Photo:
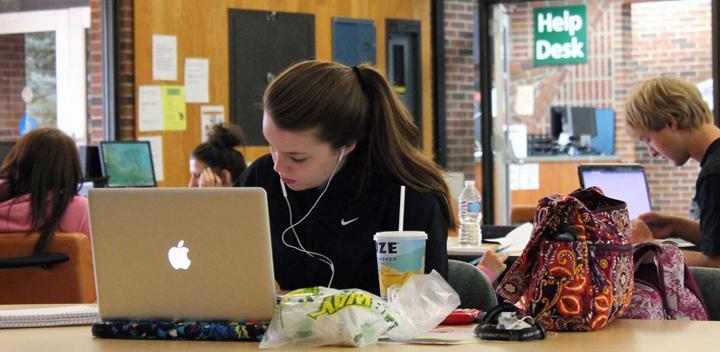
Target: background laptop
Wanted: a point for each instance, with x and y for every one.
(230, 274)
(625, 182)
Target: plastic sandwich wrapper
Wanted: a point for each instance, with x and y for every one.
(319, 316)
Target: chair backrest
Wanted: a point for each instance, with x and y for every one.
(708, 280)
(71, 281)
(522, 213)
(474, 289)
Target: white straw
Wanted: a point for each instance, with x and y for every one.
(402, 208)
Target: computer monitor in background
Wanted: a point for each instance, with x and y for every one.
(574, 121)
(127, 164)
(90, 162)
(556, 120)
(604, 142)
(4, 150)
(583, 121)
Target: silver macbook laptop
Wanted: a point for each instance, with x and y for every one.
(182, 254)
(625, 182)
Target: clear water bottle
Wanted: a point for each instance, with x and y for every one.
(470, 214)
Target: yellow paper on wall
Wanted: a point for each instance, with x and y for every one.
(174, 114)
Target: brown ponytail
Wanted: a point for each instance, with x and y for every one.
(220, 153)
(357, 104)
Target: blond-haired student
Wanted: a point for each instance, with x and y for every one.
(669, 115)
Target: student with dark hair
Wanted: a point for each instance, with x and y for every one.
(342, 144)
(39, 183)
(217, 162)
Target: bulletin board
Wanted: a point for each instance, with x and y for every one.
(202, 31)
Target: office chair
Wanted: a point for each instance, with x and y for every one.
(65, 275)
(708, 280)
(471, 285)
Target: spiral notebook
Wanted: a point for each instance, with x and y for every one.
(53, 316)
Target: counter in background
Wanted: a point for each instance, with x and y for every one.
(556, 174)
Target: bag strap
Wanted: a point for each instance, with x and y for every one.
(674, 278)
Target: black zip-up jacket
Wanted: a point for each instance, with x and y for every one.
(342, 226)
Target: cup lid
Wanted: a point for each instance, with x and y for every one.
(401, 235)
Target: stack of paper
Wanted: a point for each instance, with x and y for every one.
(55, 316)
(516, 240)
(677, 240)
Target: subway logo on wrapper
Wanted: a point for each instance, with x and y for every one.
(334, 303)
(560, 35)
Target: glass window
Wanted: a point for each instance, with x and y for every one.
(43, 78)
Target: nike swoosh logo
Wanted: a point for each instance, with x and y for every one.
(343, 222)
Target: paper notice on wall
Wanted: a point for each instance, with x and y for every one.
(164, 58)
(530, 176)
(196, 80)
(524, 177)
(525, 100)
(517, 134)
(150, 109)
(210, 115)
(157, 155)
(174, 114)
(514, 177)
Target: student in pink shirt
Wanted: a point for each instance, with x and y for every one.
(492, 265)
(39, 183)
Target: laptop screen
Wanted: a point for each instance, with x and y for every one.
(623, 182)
(127, 164)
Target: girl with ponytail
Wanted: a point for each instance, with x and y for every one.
(342, 143)
(218, 162)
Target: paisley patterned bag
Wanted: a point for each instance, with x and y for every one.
(665, 289)
(576, 272)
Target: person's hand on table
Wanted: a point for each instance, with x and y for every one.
(659, 225)
(493, 261)
(641, 232)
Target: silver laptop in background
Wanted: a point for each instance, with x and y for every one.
(182, 254)
(626, 182)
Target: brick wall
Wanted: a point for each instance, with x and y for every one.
(12, 81)
(460, 80)
(628, 41)
(588, 84)
(125, 73)
(94, 73)
(671, 38)
(126, 70)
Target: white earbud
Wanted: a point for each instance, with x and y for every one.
(300, 247)
(282, 185)
(342, 154)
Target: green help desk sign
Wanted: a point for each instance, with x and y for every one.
(560, 35)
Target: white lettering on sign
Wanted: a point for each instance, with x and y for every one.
(565, 23)
(545, 50)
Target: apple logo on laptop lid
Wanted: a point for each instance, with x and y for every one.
(178, 256)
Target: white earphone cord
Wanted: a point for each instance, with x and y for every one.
(292, 226)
